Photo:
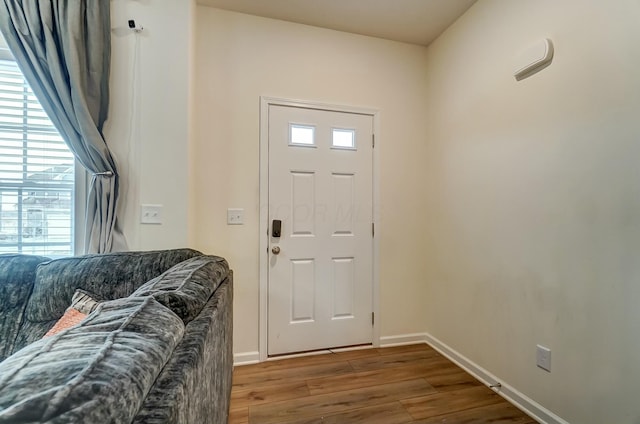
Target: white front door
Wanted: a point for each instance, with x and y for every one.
(320, 279)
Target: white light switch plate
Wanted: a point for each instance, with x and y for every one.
(235, 216)
(151, 214)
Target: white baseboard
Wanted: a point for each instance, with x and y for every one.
(246, 358)
(404, 339)
(526, 404)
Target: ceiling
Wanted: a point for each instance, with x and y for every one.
(409, 21)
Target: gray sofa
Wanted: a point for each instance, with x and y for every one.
(156, 349)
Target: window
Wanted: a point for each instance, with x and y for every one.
(37, 173)
(302, 135)
(344, 139)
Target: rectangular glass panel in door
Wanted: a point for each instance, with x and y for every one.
(345, 139)
(301, 135)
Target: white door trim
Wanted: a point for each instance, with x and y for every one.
(265, 102)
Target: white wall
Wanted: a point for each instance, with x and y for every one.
(534, 202)
(149, 116)
(240, 58)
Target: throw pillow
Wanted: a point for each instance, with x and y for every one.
(82, 304)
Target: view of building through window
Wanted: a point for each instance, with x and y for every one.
(36, 173)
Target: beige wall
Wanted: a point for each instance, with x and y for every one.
(148, 127)
(534, 202)
(509, 210)
(240, 58)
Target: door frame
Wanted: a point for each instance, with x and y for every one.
(265, 102)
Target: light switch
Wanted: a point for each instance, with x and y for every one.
(235, 216)
(151, 214)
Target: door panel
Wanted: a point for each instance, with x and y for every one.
(320, 281)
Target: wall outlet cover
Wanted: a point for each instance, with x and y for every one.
(543, 357)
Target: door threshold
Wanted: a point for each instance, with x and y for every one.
(292, 355)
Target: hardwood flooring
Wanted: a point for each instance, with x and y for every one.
(397, 385)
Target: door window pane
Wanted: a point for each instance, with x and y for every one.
(344, 139)
(302, 135)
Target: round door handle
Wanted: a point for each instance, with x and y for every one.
(275, 250)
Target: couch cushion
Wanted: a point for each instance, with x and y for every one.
(108, 276)
(17, 273)
(99, 371)
(186, 287)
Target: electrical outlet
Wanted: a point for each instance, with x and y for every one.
(543, 357)
(151, 214)
(235, 216)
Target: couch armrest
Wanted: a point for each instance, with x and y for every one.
(17, 274)
(195, 385)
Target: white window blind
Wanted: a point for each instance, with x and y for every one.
(36, 173)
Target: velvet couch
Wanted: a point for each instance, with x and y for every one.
(157, 347)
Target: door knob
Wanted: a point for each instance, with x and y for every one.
(275, 250)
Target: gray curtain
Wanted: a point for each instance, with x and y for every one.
(64, 50)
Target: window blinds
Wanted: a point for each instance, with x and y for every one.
(36, 173)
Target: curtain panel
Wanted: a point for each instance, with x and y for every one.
(63, 47)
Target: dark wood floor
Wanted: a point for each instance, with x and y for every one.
(405, 384)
